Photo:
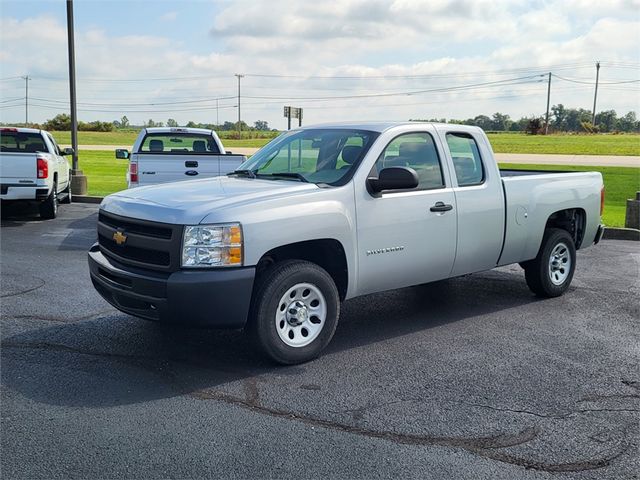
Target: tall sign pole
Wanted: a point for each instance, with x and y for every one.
(546, 122)
(239, 124)
(595, 95)
(78, 180)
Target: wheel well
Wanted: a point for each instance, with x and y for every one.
(573, 220)
(326, 253)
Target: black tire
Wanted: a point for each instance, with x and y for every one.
(270, 289)
(547, 276)
(68, 198)
(49, 208)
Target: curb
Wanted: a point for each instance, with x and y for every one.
(86, 199)
(621, 234)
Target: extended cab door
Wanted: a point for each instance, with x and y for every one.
(401, 241)
(479, 198)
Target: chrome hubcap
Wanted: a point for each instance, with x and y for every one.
(300, 315)
(559, 264)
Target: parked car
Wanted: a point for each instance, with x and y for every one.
(33, 168)
(164, 154)
(324, 214)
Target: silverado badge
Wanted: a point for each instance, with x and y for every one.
(119, 237)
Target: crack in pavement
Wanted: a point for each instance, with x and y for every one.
(487, 447)
(26, 290)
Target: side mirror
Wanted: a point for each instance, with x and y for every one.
(122, 153)
(394, 178)
(67, 151)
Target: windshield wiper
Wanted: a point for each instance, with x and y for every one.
(287, 175)
(247, 173)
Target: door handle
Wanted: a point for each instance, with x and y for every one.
(441, 207)
(191, 173)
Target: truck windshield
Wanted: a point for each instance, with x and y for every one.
(21, 142)
(327, 156)
(179, 143)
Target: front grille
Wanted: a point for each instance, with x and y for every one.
(149, 245)
(133, 227)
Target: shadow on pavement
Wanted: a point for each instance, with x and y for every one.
(114, 359)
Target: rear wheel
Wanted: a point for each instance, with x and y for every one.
(551, 272)
(49, 208)
(294, 311)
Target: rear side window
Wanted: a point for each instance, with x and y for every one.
(179, 143)
(417, 151)
(466, 159)
(21, 142)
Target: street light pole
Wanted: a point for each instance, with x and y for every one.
(78, 180)
(595, 95)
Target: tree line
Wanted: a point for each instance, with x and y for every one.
(561, 119)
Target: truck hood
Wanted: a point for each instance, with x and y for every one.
(189, 202)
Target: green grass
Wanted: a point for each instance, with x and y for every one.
(605, 144)
(125, 138)
(627, 144)
(106, 175)
(620, 184)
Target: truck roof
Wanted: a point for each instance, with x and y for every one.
(383, 126)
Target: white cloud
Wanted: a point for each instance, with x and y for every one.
(169, 16)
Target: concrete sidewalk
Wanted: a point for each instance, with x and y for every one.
(530, 158)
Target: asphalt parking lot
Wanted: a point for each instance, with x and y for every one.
(471, 378)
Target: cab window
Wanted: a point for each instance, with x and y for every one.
(466, 159)
(417, 151)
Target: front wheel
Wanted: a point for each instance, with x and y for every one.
(551, 272)
(68, 198)
(294, 311)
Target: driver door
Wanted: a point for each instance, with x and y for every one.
(401, 240)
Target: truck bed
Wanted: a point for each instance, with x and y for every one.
(523, 173)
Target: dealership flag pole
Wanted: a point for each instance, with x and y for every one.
(78, 180)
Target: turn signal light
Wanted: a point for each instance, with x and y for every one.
(601, 200)
(43, 167)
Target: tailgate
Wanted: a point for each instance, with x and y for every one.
(168, 168)
(18, 167)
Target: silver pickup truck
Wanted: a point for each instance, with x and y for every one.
(326, 213)
(172, 154)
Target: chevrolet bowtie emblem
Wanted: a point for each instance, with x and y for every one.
(119, 237)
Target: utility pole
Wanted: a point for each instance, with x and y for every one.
(217, 115)
(26, 79)
(239, 124)
(546, 122)
(595, 95)
(78, 180)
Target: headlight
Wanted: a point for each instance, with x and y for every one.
(212, 246)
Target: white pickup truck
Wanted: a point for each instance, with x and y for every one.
(33, 168)
(166, 154)
(323, 214)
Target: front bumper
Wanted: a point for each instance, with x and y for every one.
(202, 298)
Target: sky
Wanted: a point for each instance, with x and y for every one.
(339, 60)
